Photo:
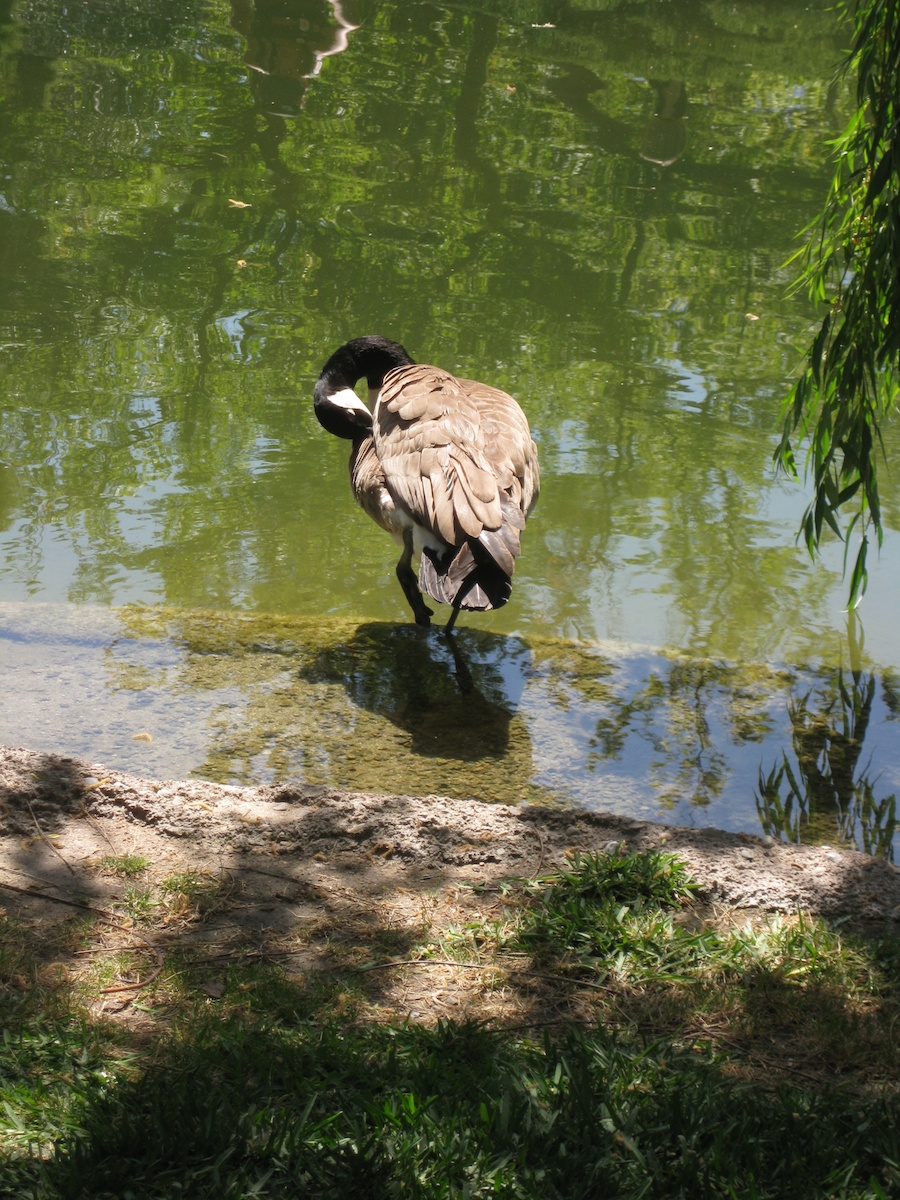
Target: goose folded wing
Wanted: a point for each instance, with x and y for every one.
(508, 445)
(437, 465)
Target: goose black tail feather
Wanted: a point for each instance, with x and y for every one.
(503, 544)
(470, 578)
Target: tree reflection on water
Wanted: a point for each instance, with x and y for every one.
(824, 788)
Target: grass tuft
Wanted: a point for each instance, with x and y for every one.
(613, 915)
(126, 866)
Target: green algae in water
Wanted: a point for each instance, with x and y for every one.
(373, 707)
(392, 708)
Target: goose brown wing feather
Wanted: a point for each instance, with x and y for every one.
(456, 454)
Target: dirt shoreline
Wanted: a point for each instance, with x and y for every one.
(61, 814)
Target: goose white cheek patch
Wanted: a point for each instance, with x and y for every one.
(347, 398)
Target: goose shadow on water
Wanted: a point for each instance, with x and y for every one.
(455, 696)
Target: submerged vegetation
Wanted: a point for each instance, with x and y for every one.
(703, 1058)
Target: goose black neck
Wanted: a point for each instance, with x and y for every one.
(371, 357)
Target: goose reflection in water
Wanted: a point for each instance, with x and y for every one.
(455, 702)
(665, 134)
(287, 43)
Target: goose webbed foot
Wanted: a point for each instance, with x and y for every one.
(421, 611)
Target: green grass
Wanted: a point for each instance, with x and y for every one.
(787, 988)
(51, 1066)
(711, 1067)
(612, 916)
(237, 1110)
(623, 920)
(124, 865)
(182, 894)
(139, 904)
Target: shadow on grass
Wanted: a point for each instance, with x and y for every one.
(234, 1109)
(685, 1076)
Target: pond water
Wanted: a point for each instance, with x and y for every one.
(589, 204)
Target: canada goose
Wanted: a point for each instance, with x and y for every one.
(446, 465)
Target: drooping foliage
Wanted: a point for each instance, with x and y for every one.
(852, 262)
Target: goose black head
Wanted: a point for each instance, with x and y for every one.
(338, 408)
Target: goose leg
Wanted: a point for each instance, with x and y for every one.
(407, 577)
(448, 628)
(463, 674)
